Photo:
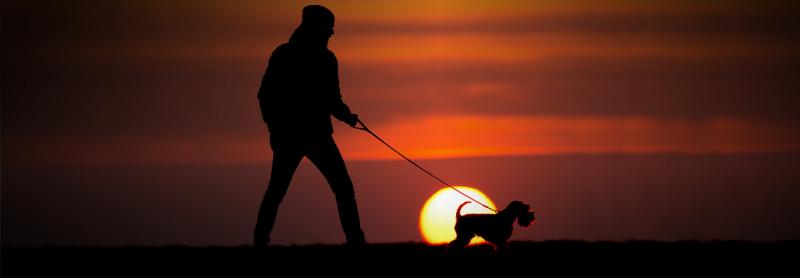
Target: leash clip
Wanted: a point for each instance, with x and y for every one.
(363, 126)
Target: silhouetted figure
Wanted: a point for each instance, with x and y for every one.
(299, 92)
(494, 228)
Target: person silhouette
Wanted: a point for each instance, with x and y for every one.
(298, 94)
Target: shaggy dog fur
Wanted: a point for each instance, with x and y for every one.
(494, 228)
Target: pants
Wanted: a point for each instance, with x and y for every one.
(325, 155)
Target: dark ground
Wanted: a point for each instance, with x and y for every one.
(390, 259)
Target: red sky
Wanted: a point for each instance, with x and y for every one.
(153, 82)
(165, 83)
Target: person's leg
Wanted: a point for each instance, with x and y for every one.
(329, 161)
(284, 164)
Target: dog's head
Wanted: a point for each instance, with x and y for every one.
(523, 213)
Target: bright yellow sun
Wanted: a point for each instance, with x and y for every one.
(438, 216)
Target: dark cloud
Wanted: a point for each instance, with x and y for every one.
(589, 197)
(189, 69)
(653, 87)
(773, 22)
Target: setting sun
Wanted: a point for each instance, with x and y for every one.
(438, 216)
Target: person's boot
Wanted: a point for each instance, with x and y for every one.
(260, 242)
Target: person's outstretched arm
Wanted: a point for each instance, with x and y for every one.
(338, 108)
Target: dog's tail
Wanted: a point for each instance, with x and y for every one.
(458, 212)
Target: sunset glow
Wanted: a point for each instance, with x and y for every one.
(437, 217)
(138, 122)
(466, 78)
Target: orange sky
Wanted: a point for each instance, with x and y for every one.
(153, 82)
(137, 123)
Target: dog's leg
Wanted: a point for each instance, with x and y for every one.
(457, 244)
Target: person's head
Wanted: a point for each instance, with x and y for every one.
(318, 22)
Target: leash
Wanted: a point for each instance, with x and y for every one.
(365, 128)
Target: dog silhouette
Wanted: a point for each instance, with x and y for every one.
(494, 228)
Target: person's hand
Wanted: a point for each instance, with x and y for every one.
(352, 120)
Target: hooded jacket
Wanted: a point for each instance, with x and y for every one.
(300, 89)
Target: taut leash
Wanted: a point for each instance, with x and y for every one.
(365, 128)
